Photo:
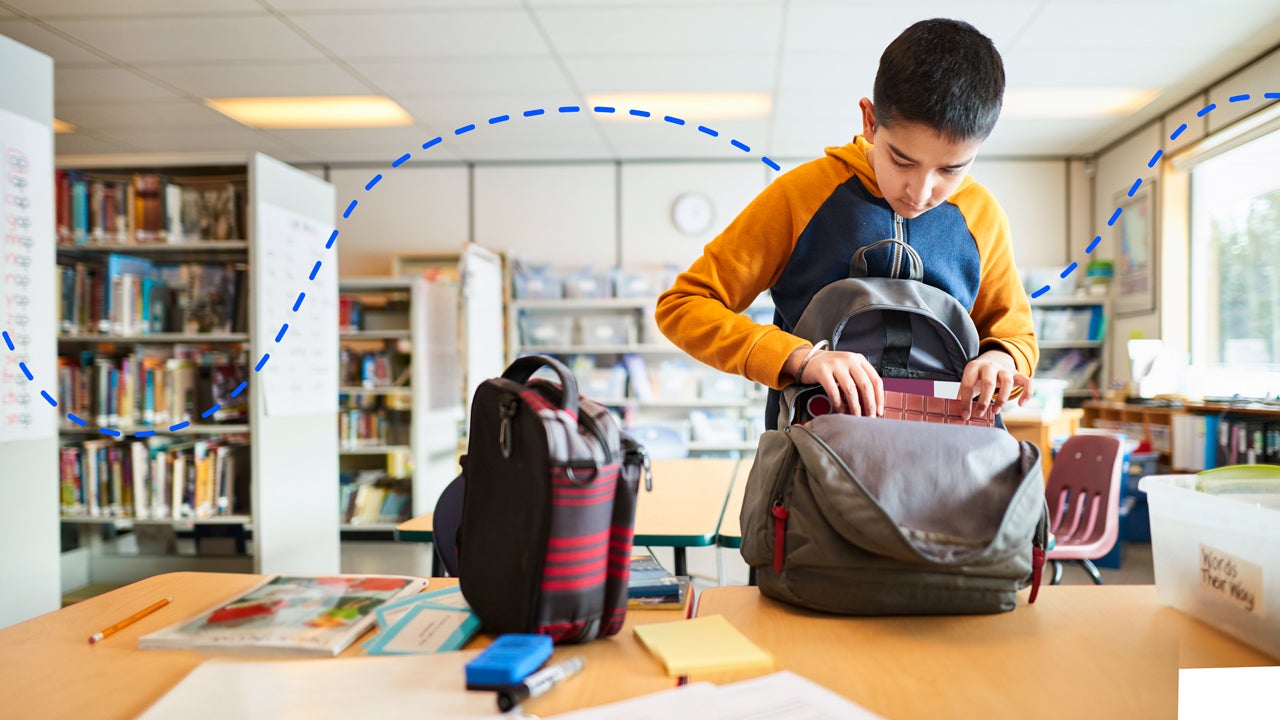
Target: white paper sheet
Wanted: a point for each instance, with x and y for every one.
(26, 273)
(300, 377)
(327, 689)
(778, 695)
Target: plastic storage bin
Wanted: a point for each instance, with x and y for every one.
(607, 329)
(1215, 557)
(544, 330)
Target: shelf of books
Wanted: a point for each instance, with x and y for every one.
(1072, 331)
(600, 322)
(399, 398)
(157, 345)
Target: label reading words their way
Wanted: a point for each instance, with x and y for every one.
(1231, 578)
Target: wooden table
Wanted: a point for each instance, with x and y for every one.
(1079, 652)
(683, 511)
(1042, 431)
(730, 535)
(49, 670)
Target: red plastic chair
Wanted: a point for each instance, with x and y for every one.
(1083, 492)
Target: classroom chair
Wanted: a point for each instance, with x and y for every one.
(445, 522)
(1083, 492)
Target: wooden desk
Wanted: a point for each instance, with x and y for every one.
(683, 510)
(1079, 652)
(730, 535)
(1042, 431)
(49, 670)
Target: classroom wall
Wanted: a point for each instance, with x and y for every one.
(603, 213)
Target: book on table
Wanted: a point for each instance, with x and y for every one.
(649, 579)
(289, 615)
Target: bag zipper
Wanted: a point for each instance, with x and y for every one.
(507, 411)
(778, 510)
(636, 454)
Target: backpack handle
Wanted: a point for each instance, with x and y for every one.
(915, 266)
(524, 367)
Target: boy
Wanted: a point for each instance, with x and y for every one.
(937, 95)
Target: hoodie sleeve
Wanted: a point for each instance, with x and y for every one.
(701, 311)
(1001, 311)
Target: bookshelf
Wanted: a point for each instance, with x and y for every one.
(400, 398)
(674, 404)
(1195, 436)
(181, 448)
(1072, 334)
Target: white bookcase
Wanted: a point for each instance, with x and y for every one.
(1072, 334)
(622, 361)
(290, 524)
(29, 570)
(411, 323)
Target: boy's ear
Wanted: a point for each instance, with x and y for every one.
(868, 119)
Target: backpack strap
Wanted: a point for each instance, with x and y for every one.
(915, 266)
(895, 357)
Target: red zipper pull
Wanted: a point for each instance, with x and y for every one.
(1037, 568)
(780, 515)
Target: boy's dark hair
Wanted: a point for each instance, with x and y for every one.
(944, 74)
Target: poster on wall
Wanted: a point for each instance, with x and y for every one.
(302, 373)
(27, 295)
(1136, 253)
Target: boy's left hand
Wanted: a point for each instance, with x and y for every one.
(989, 380)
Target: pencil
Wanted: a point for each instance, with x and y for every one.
(129, 620)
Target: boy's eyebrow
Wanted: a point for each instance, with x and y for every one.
(910, 159)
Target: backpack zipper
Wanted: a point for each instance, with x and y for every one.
(778, 510)
(507, 411)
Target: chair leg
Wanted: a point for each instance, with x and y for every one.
(1057, 572)
(1092, 569)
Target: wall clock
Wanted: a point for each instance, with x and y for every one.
(692, 213)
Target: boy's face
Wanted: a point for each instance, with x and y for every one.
(916, 167)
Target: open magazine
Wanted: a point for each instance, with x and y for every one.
(289, 615)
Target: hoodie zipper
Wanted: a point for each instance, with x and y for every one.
(899, 234)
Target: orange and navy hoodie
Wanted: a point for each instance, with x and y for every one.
(800, 234)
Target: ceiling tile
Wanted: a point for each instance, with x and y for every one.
(467, 33)
(467, 76)
(662, 29)
(1186, 26)
(236, 139)
(98, 8)
(447, 113)
(847, 74)
(532, 137)
(104, 84)
(188, 39)
(377, 145)
(259, 79)
(142, 114)
(830, 26)
(63, 51)
(655, 138)
(726, 72)
(1044, 137)
(1117, 67)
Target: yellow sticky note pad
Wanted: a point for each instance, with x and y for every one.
(705, 644)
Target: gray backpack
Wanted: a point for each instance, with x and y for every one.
(878, 516)
(873, 516)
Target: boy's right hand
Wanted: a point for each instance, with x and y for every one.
(850, 381)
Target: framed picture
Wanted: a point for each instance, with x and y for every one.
(1136, 261)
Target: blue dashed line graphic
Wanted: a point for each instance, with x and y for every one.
(564, 109)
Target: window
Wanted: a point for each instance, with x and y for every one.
(1235, 265)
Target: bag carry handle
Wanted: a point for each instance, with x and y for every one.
(915, 266)
(524, 367)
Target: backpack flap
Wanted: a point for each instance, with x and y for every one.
(929, 493)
